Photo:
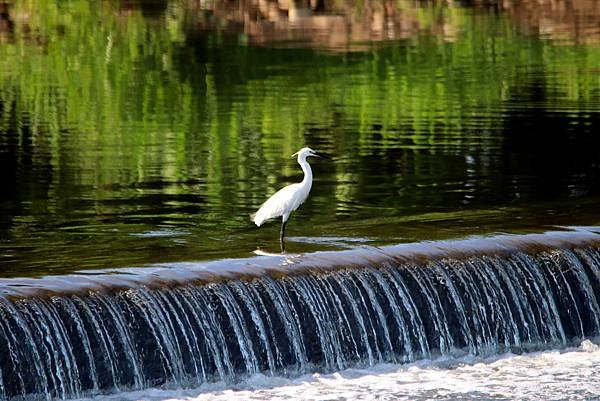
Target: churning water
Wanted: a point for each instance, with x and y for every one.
(184, 325)
(571, 374)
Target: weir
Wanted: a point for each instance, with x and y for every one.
(188, 323)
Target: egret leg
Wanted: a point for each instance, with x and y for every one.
(282, 235)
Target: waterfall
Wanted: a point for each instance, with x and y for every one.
(182, 325)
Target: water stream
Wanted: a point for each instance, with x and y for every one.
(73, 336)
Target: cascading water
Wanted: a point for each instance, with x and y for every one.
(65, 337)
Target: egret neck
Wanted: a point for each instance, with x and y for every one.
(308, 177)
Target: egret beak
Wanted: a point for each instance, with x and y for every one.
(321, 156)
(295, 154)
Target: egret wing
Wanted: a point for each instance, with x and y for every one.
(278, 204)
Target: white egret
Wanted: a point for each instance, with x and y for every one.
(289, 198)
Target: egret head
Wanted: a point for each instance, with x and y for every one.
(304, 153)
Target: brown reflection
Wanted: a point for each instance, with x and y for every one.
(575, 21)
(349, 24)
(318, 23)
(149, 8)
(7, 25)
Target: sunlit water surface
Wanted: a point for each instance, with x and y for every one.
(571, 374)
(148, 131)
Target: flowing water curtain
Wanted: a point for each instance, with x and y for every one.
(63, 346)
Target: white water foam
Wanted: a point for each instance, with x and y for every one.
(571, 374)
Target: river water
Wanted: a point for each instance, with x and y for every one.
(153, 137)
(142, 134)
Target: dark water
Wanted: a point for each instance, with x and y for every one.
(147, 131)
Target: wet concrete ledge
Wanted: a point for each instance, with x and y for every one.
(278, 266)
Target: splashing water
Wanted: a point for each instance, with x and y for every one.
(570, 374)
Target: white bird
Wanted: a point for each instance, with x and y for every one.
(289, 198)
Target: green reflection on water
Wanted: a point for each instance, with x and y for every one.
(131, 138)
